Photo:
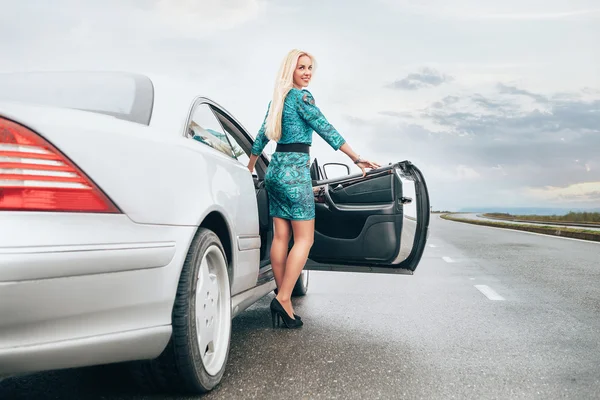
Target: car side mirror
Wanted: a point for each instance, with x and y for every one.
(335, 170)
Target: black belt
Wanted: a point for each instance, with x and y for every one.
(293, 148)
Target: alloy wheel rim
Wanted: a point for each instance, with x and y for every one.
(213, 312)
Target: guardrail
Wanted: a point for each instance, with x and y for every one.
(582, 234)
(531, 221)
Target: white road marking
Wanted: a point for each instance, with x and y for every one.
(448, 259)
(489, 292)
(432, 245)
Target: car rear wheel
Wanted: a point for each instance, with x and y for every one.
(195, 357)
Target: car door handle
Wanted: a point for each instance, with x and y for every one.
(405, 200)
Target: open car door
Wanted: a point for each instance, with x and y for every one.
(377, 223)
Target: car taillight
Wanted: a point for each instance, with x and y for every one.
(35, 176)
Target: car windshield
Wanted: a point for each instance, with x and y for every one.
(121, 95)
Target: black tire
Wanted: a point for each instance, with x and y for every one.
(180, 368)
(301, 286)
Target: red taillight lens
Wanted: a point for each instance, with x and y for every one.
(35, 176)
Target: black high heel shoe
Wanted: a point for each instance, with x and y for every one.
(295, 316)
(278, 312)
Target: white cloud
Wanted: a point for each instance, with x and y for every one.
(230, 50)
(538, 16)
(466, 173)
(201, 18)
(456, 173)
(587, 192)
(511, 10)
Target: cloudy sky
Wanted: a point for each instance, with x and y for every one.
(498, 102)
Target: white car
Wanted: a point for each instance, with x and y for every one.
(131, 229)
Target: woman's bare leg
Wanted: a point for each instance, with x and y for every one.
(279, 248)
(304, 234)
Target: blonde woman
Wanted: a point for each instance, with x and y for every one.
(291, 118)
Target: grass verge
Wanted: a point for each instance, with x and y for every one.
(584, 218)
(584, 234)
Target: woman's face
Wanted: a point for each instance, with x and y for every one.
(303, 72)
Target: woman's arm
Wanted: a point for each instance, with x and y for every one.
(315, 118)
(252, 162)
(259, 143)
(311, 114)
(361, 163)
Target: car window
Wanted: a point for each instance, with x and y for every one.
(206, 129)
(238, 152)
(241, 147)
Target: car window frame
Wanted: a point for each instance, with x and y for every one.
(230, 129)
(238, 129)
(199, 103)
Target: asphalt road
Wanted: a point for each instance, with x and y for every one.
(482, 218)
(530, 332)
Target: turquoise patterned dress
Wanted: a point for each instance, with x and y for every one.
(288, 180)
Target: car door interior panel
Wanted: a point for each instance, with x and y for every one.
(264, 219)
(358, 220)
(376, 190)
(362, 221)
(374, 238)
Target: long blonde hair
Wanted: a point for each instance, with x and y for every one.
(283, 84)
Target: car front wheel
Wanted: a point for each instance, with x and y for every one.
(195, 357)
